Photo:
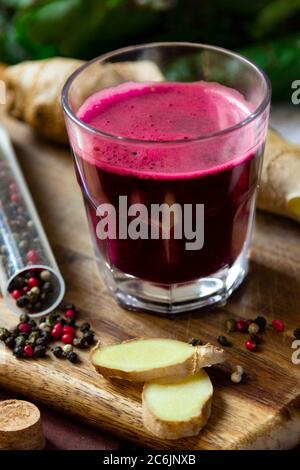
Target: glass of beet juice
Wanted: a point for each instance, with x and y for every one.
(168, 142)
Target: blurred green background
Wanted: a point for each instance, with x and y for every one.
(267, 31)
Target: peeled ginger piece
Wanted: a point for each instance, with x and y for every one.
(178, 409)
(143, 360)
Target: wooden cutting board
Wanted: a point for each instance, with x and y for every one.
(262, 413)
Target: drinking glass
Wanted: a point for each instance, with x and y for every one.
(168, 273)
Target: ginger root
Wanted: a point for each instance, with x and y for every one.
(142, 360)
(178, 409)
(34, 89)
(279, 190)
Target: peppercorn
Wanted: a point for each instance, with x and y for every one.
(39, 351)
(67, 348)
(19, 341)
(45, 334)
(88, 337)
(69, 307)
(253, 328)
(45, 275)
(4, 333)
(32, 324)
(18, 351)
(278, 325)
(72, 357)
(49, 320)
(24, 318)
(261, 322)
(236, 377)
(78, 343)
(250, 345)
(47, 287)
(57, 351)
(194, 341)
(22, 301)
(297, 333)
(24, 328)
(28, 350)
(223, 341)
(67, 338)
(230, 325)
(10, 342)
(41, 341)
(85, 327)
(241, 326)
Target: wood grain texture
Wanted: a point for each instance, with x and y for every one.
(263, 412)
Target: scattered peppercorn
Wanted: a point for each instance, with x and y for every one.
(67, 338)
(88, 337)
(24, 318)
(67, 348)
(57, 351)
(253, 328)
(85, 327)
(18, 351)
(19, 341)
(241, 326)
(4, 333)
(39, 351)
(196, 341)
(28, 350)
(223, 341)
(230, 325)
(278, 325)
(261, 322)
(10, 342)
(72, 357)
(250, 345)
(297, 333)
(236, 377)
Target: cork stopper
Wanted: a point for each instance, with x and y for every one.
(20, 426)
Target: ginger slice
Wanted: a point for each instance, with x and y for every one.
(142, 360)
(178, 409)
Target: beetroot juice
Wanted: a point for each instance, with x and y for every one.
(165, 143)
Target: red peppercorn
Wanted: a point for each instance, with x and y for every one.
(241, 326)
(250, 345)
(56, 333)
(33, 282)
(25, 290)
(28, 350)
(16, 294)
(278, 325)
(70, 313)
(24, 328)
(67, 338)
(69, 330)
(32, 256)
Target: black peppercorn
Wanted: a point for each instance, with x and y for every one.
(57, 351)
(10, 342)
(19, 341)
(41, 341)
(195, 341)
(46, 335)
(39, 351)
(19, 282)
(18, 351)
(297, 333)
(47, 287)
(85, 327)
(261, 322)
(223, 341)
(4, 333)
(72, 357)
(24, 318)
(22, 301)
(88, 337)
(32, 324)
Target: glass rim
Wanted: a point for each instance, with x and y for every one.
(252, 116)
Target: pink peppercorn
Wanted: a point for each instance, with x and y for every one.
(56, 332)
(28, 350)
(250, 345)
(278, 325)
(25, 290)
(70, 313)
(241, 326)
(24, 328)
(67, 338)
(33, 282)
(68, 330)
(16, 294)
(15, 197)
